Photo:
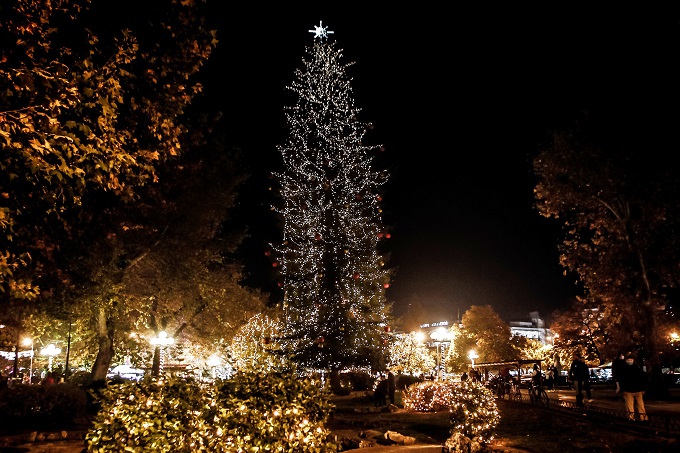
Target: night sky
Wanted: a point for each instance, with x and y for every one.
(462, 98)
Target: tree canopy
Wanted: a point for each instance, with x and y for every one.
(613, 188)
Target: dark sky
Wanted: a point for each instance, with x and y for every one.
(461, 98)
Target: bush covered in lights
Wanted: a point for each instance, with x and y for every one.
(276, 412)
(250, 412)
(474, 414)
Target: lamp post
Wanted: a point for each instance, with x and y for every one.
(213, 362)
(439, 337)
(472, 355)
(50, 351)
(29, 342)
(160, 342)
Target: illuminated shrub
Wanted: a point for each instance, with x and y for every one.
(276, 412)
(250, 412)
(474, 414)
(429, 396)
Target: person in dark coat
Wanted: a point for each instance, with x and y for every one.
(391, 386)
(580, 375)
(633, 383)
(380, 393)
(617, 365)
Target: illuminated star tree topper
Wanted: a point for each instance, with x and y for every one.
(320, 31)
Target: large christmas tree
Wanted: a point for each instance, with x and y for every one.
(333, 271)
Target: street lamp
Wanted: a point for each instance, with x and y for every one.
(213, 362)
(161, 341)
(50, 351)
(29, 342)
(472, 355)
(439, 337)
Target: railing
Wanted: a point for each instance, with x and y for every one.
(662, 424)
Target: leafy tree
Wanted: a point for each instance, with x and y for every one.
(611, 185)
(172, 266)
(255, 348)
(88, 120)
(190, 276)
(597, 331)
(409, 355)
(333, 270)
(531, 349)
(484, 331)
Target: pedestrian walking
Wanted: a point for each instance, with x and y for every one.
(580, 376)
(633, 383)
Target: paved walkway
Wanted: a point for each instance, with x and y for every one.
(607, 398)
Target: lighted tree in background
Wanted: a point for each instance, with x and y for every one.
(409, 355)
(335, 311)
(484, 332)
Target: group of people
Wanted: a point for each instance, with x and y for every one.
(474, 375)
(630, 379)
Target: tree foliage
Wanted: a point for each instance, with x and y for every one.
(612, 187)
(484, 331)
(409, 355)
(83, 121)
(92, 116)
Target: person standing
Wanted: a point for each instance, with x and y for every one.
(550, 378)
(633, 383)
(391, 386)
(536, 375)
(617, 365)
(580, 375)
(380, 393)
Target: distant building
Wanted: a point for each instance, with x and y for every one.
(534, 329)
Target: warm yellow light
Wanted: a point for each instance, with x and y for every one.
(50, 351)
(214, 360)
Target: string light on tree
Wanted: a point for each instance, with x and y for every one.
(329, 258)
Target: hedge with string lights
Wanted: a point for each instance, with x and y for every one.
(250, 412)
